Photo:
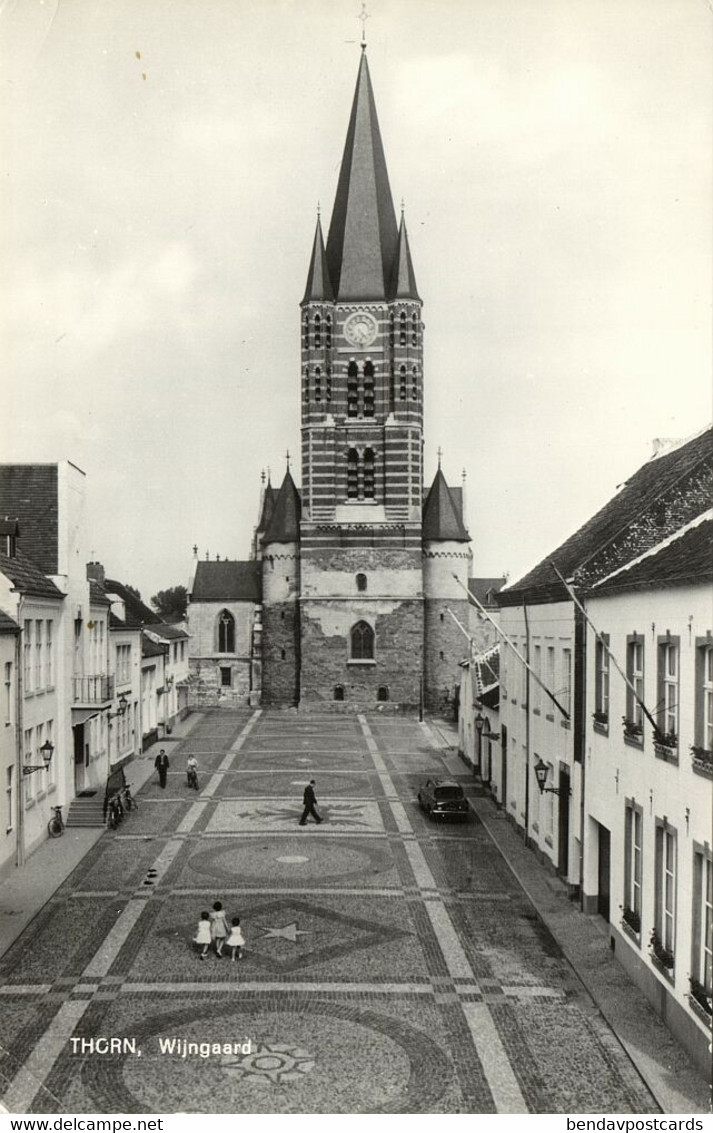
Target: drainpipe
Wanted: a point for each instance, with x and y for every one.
(527, 729)
(20, 787)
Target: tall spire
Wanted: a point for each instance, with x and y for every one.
(363, 236)
(318, 286)
(404, 281)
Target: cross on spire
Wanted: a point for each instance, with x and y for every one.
(440, 454)
(364, 16)
(287, 458)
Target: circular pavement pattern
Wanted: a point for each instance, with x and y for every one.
(319, 1057)
(258, 863)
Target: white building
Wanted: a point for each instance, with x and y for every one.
(648, 868)
(10, 753)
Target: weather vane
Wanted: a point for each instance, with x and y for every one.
(363, 17)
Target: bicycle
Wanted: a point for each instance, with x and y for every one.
(114, 812)
(128, 799)
(192, 777)
(56, 825)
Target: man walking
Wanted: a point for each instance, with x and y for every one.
(162, 765)
(310, 802)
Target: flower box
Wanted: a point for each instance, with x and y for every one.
(662, 957)
(702, 760)
(633, 731)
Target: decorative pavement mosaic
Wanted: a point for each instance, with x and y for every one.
(390, 965)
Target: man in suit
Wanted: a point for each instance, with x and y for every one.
(161, 764)
(310, 802)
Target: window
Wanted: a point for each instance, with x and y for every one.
(668, 689)
(391, 329)
(318, 384)
(328, 332)
(402, 329)
(548, 806)
(226, 677)
(601, 679)
(362, 642)
(306, 384)
(123, 664)
(361, 582)
(567, 680)
(704, 696)
(369, 474)
(39, 673)
(414, 384)
(27, 656)
(49, 658)
(339, 692)
(536, 687)
(702, 965)
(353, 474)
(328, 386)
(8, 692)
(305, 333)
(382, 692)
(352, 390)
(402, 383)
(369, 389)
(632, 865)
(283, 654)
(9, 808)
(183, 650)
(226, 633)
(28, 779)
(635, 673)
(665, 897)
(550, 669)
(414, 330)
(317, 332)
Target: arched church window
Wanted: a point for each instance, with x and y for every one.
(318, 384)
(361, 581)
(402, 383)
(414, 384)
(352, 390)
(353, 475)
(328, 332)
(402, 329)
(362, 642)
(226, 632)
(329, 384)
(369, 474)
(414, 330)
(369, 389)
(317, 332)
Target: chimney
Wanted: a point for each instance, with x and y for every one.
(9, 534)
(95, 573)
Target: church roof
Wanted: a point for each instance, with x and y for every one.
(318, 282)
(404, 282)
(441, 515)
(226, 581)
(363, 236)
(284, 525)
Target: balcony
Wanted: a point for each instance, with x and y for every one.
(92, 692)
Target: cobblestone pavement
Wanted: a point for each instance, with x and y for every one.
(392, 965)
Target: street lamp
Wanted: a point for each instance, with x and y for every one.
(121, 708)
(46, 752)
(542, 770)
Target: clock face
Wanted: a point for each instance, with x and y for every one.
(360, 329)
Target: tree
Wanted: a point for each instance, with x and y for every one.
(134, 591)
(171, 604)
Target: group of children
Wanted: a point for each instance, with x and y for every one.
(213, 929)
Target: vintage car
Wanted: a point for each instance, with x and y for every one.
(443, 798)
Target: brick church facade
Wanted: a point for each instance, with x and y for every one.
(345, 600)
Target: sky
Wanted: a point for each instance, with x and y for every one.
(162, 162)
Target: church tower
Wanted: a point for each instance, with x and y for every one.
(361, 579)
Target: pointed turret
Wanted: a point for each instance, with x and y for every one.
(319, 286)
(442, 520)
(284, 524)
(404, 281)
(363, 236)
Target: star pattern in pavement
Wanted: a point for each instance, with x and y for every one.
(289, 932)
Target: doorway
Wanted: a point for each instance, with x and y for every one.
(604, 873)
(563, 823)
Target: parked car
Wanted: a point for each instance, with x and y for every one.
(443, 798)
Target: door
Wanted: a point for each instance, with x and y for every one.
(78, 738)
(604, 870)
(504, 766)
(563, 824)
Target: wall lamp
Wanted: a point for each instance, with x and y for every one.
(480, 724)
(46, 753)
(121, 708)
(541, 772)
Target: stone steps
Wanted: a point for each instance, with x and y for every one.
(86, 812)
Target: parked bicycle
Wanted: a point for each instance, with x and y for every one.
(127, 799)
(56, 825)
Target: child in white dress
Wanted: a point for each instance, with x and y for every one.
(236, 940)
(203, 937)
(218, 928)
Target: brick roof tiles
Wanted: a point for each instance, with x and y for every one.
(28, 492)
(8, 624)
(684, 561)
(27, 577)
